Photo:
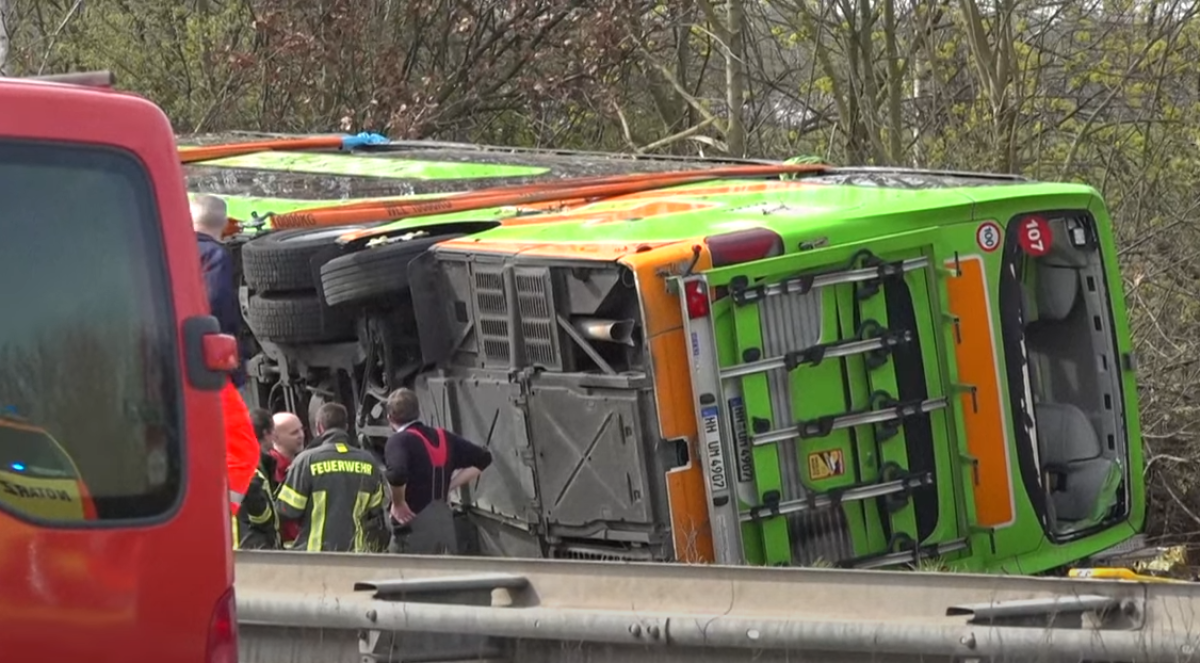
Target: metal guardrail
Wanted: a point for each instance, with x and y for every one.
(330, 608)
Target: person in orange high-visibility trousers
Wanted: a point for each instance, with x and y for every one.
(241, 445)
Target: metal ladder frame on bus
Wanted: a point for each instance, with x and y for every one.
(725, 514)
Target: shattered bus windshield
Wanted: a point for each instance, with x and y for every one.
(1063, 375)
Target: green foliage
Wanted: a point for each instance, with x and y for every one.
(1106, 93)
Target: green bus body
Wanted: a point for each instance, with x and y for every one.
(885, 366)
(1093, 375)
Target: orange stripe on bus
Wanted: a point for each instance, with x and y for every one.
(752, 186)
(647, 203)
(631, 209)
(983, 415)
(606, 251)
(589, 250)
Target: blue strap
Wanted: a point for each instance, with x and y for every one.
(364, 138)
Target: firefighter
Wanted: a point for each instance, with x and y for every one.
(256, 525)
(336, 490)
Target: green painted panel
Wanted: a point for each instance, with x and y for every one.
(868, 536)
(757, 397)
(384, 167)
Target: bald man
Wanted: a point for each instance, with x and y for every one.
(288, 434)
(287, 440)
(209, 216)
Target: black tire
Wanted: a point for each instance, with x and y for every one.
(282, 261)
(373, 274)
(297, 319)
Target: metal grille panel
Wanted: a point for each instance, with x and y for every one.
(491, 305)
(535, 302)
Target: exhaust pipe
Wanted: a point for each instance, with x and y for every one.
(599, 329)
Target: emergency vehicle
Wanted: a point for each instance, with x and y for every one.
(115, 461)
(36, 476)
(743, 363)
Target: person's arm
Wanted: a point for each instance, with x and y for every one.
(379, 506)
(293, 493)
(214, 269)
(470, 460)
(225, 299)
(216, 263)
(463, 477)
(257, 503)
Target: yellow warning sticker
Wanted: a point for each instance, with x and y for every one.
(826, 464)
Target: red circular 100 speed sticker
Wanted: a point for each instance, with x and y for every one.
(988, 236)
(1035, 236)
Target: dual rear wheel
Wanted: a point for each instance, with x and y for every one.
(305, 287)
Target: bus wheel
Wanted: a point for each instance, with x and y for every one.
(374, 274)
(282, 261)
(296, 319)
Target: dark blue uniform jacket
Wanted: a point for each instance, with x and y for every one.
(217, 265)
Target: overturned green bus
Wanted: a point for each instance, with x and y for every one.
(854, 366)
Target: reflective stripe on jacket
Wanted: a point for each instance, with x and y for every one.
(256, 525)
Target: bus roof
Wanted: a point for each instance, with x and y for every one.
(798, 210)
(850, 202)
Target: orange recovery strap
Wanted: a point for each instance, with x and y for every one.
(568, 189)
(241, 445)
(194, 153)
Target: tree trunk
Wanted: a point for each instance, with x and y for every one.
(4, 40)
(735, 77)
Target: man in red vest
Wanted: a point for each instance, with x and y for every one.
(424, 465)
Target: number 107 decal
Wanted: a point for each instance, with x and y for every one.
(1035, 236)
